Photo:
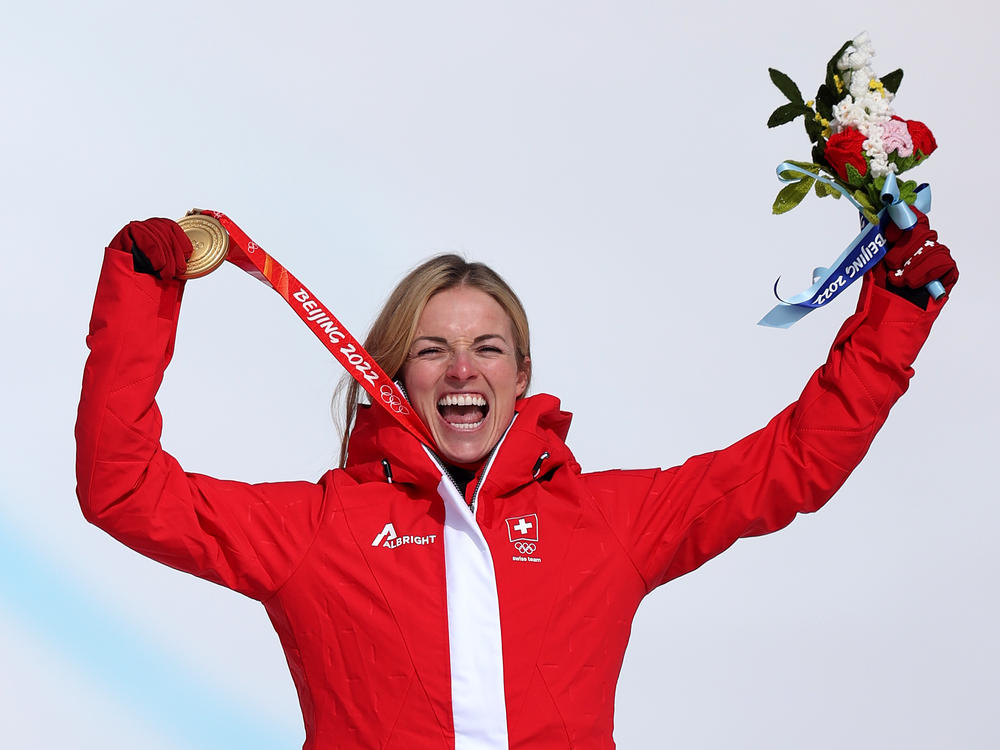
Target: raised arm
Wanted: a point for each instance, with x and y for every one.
(673, 521)
(246, 537)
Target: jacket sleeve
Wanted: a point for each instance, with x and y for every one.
(673, 521)
(246, 537)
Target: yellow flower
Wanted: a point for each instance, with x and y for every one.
(876, 85)
(810, 102)
(821, 120)
(838, 83)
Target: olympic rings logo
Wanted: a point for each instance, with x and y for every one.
(393, 401)
(525, 548)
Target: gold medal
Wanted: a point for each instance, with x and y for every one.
(210, 243)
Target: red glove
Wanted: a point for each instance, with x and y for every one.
(158, 247)
(915, 257)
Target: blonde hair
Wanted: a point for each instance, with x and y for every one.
(391, 335)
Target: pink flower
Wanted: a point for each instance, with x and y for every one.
(895, 137)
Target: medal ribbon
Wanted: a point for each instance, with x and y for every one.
(251, 257)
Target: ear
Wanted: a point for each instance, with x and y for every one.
(523, 376)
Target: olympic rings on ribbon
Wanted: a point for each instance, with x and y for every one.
(392, 400)
(525, 548)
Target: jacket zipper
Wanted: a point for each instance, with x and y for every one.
(474, 503)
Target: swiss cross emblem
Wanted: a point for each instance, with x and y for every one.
(523, 528)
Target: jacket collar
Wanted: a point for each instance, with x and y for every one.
(533, 447)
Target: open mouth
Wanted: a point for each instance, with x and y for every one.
(463, 411)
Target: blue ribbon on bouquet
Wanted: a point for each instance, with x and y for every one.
(861, 254)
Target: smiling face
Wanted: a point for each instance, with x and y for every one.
(462, 373)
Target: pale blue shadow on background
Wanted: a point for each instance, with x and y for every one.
(130, 667)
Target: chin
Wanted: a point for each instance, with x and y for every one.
(462, 456)
(465, 450)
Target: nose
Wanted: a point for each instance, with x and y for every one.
(460, 366)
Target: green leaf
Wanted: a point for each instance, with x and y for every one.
(786, 86)
(826, 98)
(875, 196)
(791, 195)
(866, 205)
(905, 162)
(861, 197)
(818, 154)
(823, 190)
(787, 113)
(908, 191)
(854, 177)
(814, 129)
(790, 174)
(892, 80)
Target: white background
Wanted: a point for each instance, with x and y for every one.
(611, 160)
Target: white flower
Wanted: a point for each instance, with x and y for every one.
(880, 166)
(848, 113)
(858, 54)
(857, 84)
(867, 103)
(860, 113)
(858, 78)
(874, 146)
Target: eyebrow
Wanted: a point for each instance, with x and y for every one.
(477, 340)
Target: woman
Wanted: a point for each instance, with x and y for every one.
(479, 595)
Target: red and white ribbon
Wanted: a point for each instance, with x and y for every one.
(251, 257)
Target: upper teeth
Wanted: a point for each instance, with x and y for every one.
(462, 399)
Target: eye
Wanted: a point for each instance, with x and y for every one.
(490, 349)
(429, 351)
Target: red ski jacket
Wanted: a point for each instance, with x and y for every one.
(410, 620)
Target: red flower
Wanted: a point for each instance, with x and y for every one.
(847, 147)
(923, 138)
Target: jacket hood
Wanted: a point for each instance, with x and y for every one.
(533, 446)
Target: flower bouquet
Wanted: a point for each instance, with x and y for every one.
(859, 145)
(857, 139)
